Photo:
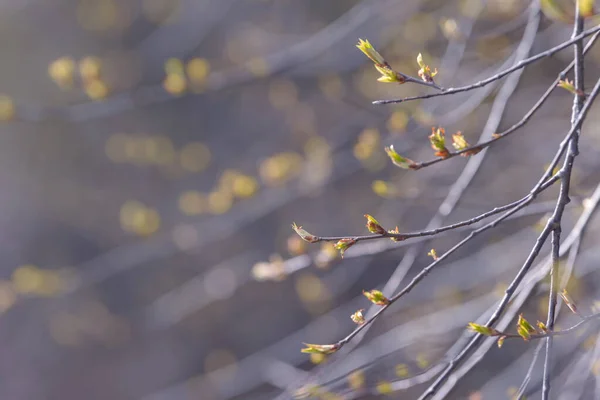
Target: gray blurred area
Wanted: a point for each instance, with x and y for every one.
(154, 154)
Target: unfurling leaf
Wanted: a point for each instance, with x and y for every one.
(522, 322)
(388, 75)
(398, 160)
(569, 301)
(369, 50)
(398, 237)
(557, 11)
(500, 341)
(484, 330)
(523, 332)
(438, 142)
(358, 317)
(344, 244)
(310, 238)
(568, 85)
(376, 297)
(433, 254)
(320, 348)
(586, 8)
(460, 143)
(425, 72)
(542, 327)
(373, 226)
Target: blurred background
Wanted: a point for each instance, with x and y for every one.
(154, 153)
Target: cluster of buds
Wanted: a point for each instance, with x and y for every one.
(425, 72)
(525, 329)
(438, 142)
(388, 75)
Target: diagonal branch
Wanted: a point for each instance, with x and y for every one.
(500, 75)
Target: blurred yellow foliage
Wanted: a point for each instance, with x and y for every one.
(283, 94)
(195, 157)
(331, 86)
(62, 72)
(135, 217)
(7, 108)
(368, 142)
(175, 84)
(280, 168)
(192, 203)
(356, 380)
(398, 121)
(89, 68)
(219, 202)
(7, 295)
(244, 186)
(310, 288)
(96, 89)
(197, 70)
(29, 279)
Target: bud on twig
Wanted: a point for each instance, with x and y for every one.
(398, 160)
(310, 238)
(369, 50)
(376, 297)
(320, 348)
(568, 85)
(358, 317)
(484, 330)
(460, 143)
(500, 341)
(438, 142)
(396, 238)
(373, 226)
(433, 254)
(425, 72)
(344, 244)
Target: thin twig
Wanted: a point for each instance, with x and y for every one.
(563, 199)
(433, 232)
(499, 75)
(519, 124)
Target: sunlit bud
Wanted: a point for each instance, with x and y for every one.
(373, 226)
(358, 317)
(398, 160)
(310, 238)
(369, 50)
(320, 348)
(376, 297)
(344, 244)
(484, 330)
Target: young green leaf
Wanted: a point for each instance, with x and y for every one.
(376, 297)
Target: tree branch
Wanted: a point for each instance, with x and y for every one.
(499, 75)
